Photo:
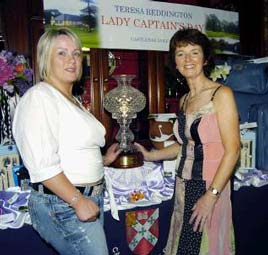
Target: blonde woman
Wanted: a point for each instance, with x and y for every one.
(59, 142)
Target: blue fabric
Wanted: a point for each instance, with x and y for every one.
(117, 235)
(249, 82)
(58, 224)
(245, 100)
(248, 78)
(259, 113)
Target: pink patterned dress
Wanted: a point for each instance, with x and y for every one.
(202, 151)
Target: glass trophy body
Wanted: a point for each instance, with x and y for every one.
(124, 102)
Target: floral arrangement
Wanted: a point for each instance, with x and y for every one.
(220, 72)
(135, 196)
(15, 74)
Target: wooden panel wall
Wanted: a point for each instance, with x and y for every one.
(22, 25)
(15, 25)
(156, 89)
(99, 87)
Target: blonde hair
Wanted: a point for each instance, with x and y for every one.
(45, 45)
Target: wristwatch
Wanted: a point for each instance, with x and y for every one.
(214, 191)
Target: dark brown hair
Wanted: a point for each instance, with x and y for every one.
(191, 36)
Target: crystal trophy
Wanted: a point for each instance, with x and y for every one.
(124, 102)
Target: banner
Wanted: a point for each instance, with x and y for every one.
(141, 24)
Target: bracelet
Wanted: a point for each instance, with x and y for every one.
(75, 197)
(214, 191)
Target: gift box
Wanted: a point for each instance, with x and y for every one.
(248, 134)
(9, 157)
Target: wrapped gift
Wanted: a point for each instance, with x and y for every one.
(9, 157)
(248, 135)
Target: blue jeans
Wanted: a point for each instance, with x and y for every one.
(57, 224)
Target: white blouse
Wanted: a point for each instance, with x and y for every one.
(53, 135)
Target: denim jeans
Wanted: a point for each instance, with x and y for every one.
(58, 225)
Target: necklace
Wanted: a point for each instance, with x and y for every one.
(73, 100)
(196, 102)
(70, 98)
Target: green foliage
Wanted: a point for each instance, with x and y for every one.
(214, 24)
(89, 39)
(221, 34)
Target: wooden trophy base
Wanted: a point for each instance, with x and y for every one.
(128, 160)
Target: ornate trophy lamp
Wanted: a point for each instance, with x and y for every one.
(124, 102)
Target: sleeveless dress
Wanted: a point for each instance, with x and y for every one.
(202, 151)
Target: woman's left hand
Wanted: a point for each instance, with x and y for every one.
(111, 154)
(202, 211)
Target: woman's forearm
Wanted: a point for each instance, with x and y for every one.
(225, 170)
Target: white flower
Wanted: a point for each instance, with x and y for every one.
(220, 72)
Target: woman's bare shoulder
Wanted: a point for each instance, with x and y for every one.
(222, 90)
(224, 97)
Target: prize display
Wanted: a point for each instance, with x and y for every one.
(124, 102)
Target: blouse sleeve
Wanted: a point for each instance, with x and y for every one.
(36, 134)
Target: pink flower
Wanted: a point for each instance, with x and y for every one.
(15, 73)
(6, 72)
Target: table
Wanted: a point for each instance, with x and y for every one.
(118, 244)
(23, 241)
(250, 215)
(154, 209)
(26, 241)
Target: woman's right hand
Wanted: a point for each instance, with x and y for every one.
(86, 209)
(147, 155)
(169, 152)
